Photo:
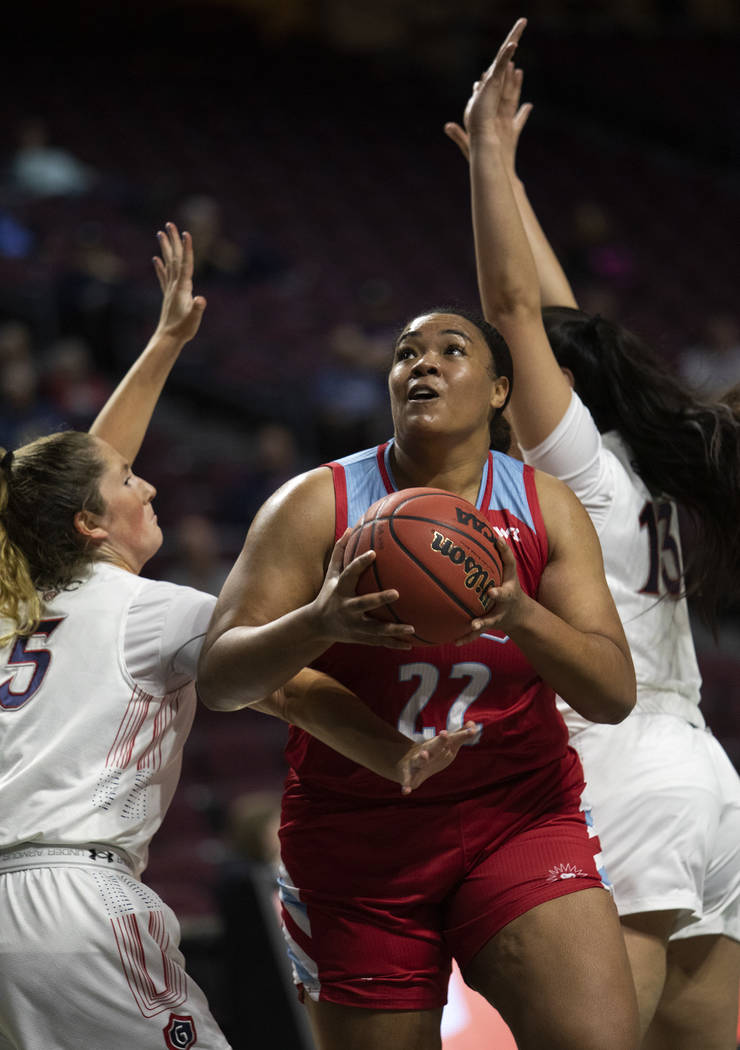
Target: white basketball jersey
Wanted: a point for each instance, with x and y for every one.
(95, 708)
(641, 545)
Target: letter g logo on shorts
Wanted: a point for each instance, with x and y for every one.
(179, 1032)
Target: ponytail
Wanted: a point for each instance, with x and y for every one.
(19, 599)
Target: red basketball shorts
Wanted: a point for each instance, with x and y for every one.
(377, 900)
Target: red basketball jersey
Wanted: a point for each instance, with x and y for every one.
(429, 688)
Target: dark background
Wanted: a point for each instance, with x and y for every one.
(307, 136)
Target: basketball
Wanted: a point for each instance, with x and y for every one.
(437, 550)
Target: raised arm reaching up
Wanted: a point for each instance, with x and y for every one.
(555, 289)
(507, 275)
(124, 419)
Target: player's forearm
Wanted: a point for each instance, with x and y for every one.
(336, 716)
(244, 664)
(507, 276)
(555, 289)
(125, 417)
(587, 669)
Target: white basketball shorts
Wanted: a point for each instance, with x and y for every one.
(665, 801)
(89, 958)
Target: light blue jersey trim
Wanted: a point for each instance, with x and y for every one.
(365, 484)
(387, 461)
(508, 492)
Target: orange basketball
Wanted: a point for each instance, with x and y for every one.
(437, 550)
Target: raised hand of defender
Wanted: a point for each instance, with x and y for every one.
(181, 312)
(510, 118)
(482, 109)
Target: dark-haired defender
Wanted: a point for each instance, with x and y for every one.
(492, 862)
(633, 443)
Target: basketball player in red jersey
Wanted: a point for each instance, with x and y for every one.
(492, 861)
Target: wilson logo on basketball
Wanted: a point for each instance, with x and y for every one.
(438, 552)
(476, 579)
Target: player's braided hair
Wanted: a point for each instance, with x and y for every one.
(683, 447)
(42, 486)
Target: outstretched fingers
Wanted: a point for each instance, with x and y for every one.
(518, 114)
(495, 94)
(165, 245)
(161, 273)
(484, 102)
(181, 311)
(510, 44)
(166, 268)
(175, 250)
(510, 91)
(426, 758)
(187, 263)
(493, 78)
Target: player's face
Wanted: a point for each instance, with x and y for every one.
(442, 378)
(133, 534)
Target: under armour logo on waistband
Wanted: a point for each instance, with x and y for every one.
(105, 853)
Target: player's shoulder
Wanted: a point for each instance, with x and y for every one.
(556, 497)
(366, 473)
(364, 456)
(296, 519)
(300, 491)
(551, 488)
(563, 514)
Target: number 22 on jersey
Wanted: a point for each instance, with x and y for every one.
(478, 676)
